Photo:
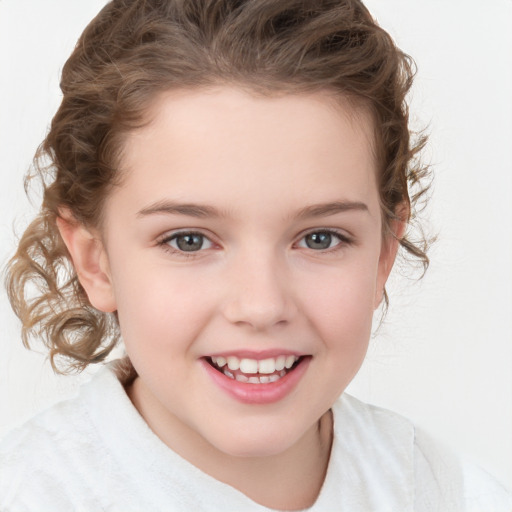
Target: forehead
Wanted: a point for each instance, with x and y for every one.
(227, 143)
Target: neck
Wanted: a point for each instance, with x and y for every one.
(290, 480)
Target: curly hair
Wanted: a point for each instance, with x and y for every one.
(135, 49)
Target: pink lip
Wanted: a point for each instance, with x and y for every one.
(258, 355)
(258, 393)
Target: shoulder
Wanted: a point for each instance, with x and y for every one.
(402, 456)
(439, 474)
(483, 491)
(449, 478)
(44, 461)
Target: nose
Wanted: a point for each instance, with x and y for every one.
(259, 293)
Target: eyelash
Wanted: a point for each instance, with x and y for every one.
(165, 243)
(344, 241)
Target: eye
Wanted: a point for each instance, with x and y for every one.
(188, 242)
(322, 240)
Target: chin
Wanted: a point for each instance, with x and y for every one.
(256, 442)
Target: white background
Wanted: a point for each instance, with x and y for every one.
(444, 355)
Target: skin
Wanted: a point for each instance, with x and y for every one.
(254, 285)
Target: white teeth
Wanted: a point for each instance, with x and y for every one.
(263, 379)
(290, 360)
(267, 366)
(249, 366)
(280, 362)
(233, 363)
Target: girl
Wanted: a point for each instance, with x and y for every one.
(226, 187)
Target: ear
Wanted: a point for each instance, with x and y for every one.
(90, 261)
(389, 249)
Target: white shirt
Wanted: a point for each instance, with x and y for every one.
(95, 453)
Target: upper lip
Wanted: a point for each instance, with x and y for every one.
(256, 354)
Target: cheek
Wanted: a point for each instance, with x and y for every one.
(344, 322)
(342, 301)
(163, 308)
(341, 316)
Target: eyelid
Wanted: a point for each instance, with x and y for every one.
(344, 238)
(163, 241)
(168, 235)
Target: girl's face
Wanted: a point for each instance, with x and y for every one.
(244, 239)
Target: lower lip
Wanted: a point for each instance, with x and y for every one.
(258, 393)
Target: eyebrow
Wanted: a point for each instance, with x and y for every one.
(326, 209)
(172, 208)
(203, 211)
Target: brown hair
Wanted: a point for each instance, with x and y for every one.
(135, 49)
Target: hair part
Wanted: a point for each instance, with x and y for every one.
(135, 49)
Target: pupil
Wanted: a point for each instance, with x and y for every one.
(318, 240)
(189, 242)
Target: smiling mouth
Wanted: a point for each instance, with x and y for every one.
(253, 371)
